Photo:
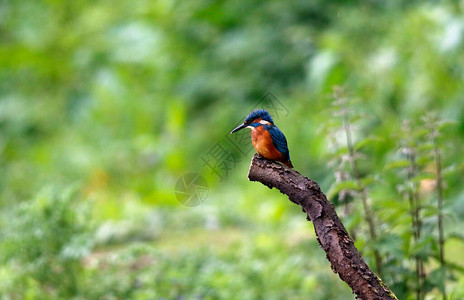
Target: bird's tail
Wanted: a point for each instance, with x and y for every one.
(288, 163)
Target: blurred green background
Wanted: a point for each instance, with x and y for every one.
(105, 105)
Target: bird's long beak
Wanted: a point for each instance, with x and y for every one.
(238, 128)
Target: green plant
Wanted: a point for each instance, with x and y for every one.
(44, 242)
(359, 182)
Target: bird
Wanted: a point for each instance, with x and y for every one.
(267, 139)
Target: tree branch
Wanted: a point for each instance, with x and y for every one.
(331, 234)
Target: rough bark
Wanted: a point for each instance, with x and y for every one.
(331, 234)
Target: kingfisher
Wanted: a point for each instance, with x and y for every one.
(267, 139)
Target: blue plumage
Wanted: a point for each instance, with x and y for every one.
(280, 142)
(259, 113)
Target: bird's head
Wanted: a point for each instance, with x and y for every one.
(255, 119)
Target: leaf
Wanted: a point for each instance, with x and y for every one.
(423, 247)
(437, 278)
(449, 170)
(424, 147)
(445, 124)
(390, 243)
(341, 151)
(368, 180)
(423, 176)
(454, 266)
(421, 133)
(366, 142)
(423, 160)
(340, 186)
(398, 164)
(457, 235)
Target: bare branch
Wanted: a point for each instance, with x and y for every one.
(331, 234)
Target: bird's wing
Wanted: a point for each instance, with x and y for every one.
(280, 142)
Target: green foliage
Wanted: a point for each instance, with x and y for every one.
(411, 175)
(120, 99)
(44, 241)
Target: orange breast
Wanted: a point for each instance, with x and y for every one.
(263, 144)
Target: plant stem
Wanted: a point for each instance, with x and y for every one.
(367, 211)
(441, 238)
(412, 209)
(415, 203)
